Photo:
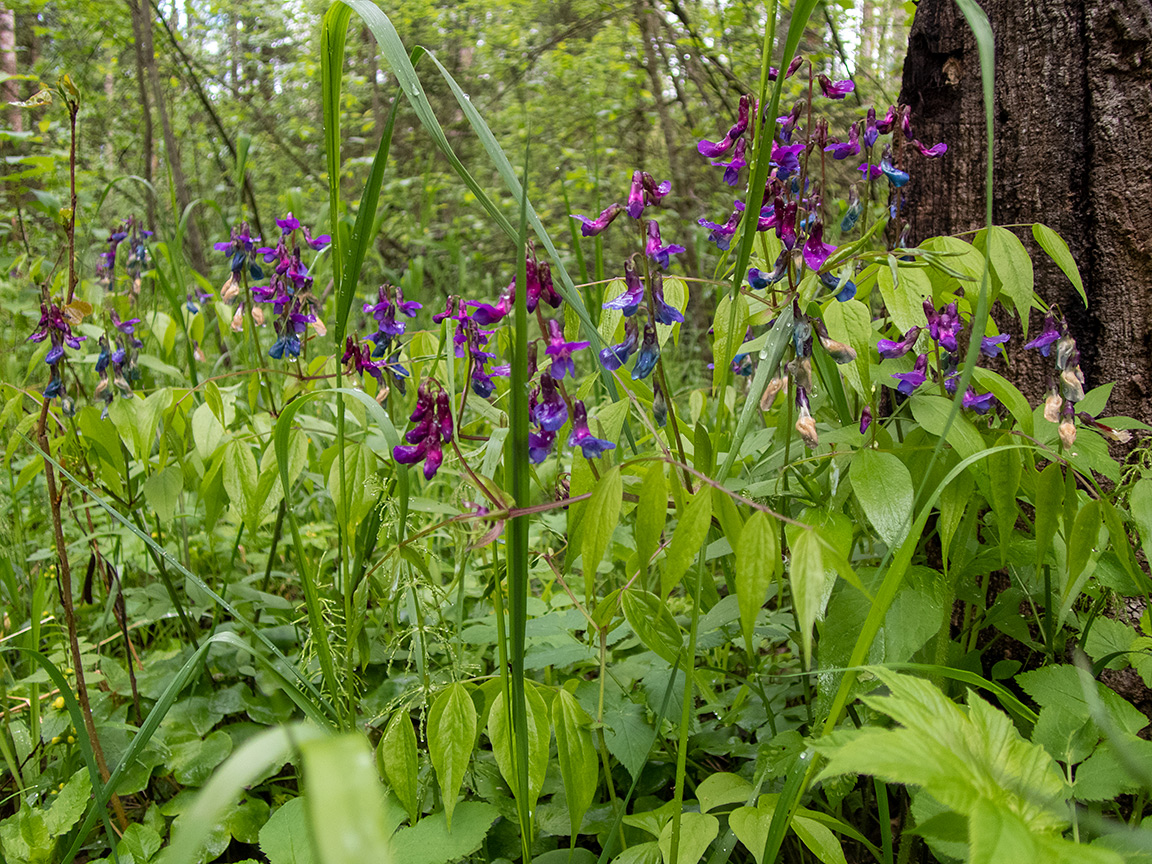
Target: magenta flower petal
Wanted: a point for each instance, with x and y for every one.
(816, 251)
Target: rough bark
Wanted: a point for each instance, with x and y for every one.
(8, 89)
(1073, 107)
(145, 106)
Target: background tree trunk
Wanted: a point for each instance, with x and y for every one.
(1074, 127)
(9, 90)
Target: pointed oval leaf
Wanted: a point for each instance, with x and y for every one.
(690, 534)
(398, 761)
(451, 733)
(806, 576)
(649, 617)
(576, 755)
(1058, 251)
(539, 738)
(651, 513)
(697, 831)
(757, 563)
(1048, 504)
(883, 486)
(600, 519)
(1004, 472)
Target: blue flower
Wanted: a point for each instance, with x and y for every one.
(649, 354)
(655, 249)
(665, 313)
(615, 356)
(550, 413)
(560, 350)
(583, 438)
(633, 295)
(909, 381)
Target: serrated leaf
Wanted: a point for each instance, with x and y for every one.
(451, 734)
(207, 432)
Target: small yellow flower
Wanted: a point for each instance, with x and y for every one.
(71, 740)
(58, 703)
(56, 740)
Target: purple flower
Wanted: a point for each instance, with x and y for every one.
(540, 445)
(835, 90)
(592, 227)
(288, 223)
(721, 235)
(990, 345)
(713, 150)
(659, 404)
(561, 350)
(654, 248)
(871, 133)
(909, 381)
(786, 158)
(665, 313)
(583, 438)
(774, 73)
(890, 350)
(654, 192)
(865, 419)
(615, 356)
(550, 412)
(870, 172)
(947, 328)
(635, 206)
(786, 225)
(978, 403)
(358, 359)
(1047, 337)
(816, 251)
(732, 168)
(409, 454)
(633, 295)
(649, 354)
(851, 147)
(789, 121)
(933, 151)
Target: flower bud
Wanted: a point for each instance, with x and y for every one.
(1052, 405)
(1067, 433)
(1071, 384)
(770, 392)
(238, 321)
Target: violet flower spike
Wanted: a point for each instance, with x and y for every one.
(871, 133)
(732, 168)
(649, 354)
(889, 350)
(615, 356)
(633, 295)
(540, 445)
(787, 159)
(561, 350)
(1049, 336)
(978, 403)
(851, 147)
(816, 251)
(835, 89)
(865, 419)
(949, 326)
(654, 248)
(990, 346)
(909, 381)
(635, 206)
(665, 313)
(550, 412)
(582, 436)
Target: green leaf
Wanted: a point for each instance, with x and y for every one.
(1059, 687)
(451, 734)
(1049, 503)
(1012, 268)
(722, 788)
(575, 755)
(806, 576)
(345, 800)
(1081, 544)
(431, 841)
(162, 491)
(904, 292)
(649, 617)
(359, 472)
(758, 563)
(285, 838)
(962, 759)
(1008, 394)
(819, 839)
(1058, 251)
(697, 830)
(687, 540)
(600, 520)
(727, 335)
(398, 761)
(70, 804)
(883, 486)
(652, 512)
(141, 842)
(1004, 472)
(1140, 507)
(207, 432)
(851, 323)
(539, 739)
(241, 479)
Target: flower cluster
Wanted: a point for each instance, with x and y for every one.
(55, 325)
(1060, 403)
(432, 417)
(944, 328)
(136, 260)
(289, 288)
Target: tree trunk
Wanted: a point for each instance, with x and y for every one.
(1073, 109)
(192, 242)
(8, 90)
(145, 107)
